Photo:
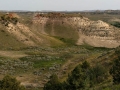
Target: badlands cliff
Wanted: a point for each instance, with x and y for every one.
(44, 28)
(85, 31)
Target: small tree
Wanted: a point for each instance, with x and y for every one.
(3, 17)
(78, 78)
(97, 74)
(81, 78)
(85, 65)
(53, 83)
(115, 71)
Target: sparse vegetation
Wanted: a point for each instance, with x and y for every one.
(6, 19)
(81, 78)
(41, 51)
(116, 24)
(67, 41)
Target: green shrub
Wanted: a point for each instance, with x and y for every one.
(78, 78)
(116, 24)
(82, 77)
(53, 83)
(9, 83)
(115, 71)
(97, 74)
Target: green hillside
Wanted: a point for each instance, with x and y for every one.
(8, 41)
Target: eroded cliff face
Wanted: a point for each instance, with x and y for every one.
(45, 28)
(25, 34)
(95, 33)
(22, 34)
(40, 23)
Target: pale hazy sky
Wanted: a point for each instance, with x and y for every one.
(59, 5)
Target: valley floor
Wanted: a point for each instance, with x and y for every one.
(33, 66)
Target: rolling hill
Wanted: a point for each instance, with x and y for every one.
(56, 29)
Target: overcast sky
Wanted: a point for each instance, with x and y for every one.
(59, 5)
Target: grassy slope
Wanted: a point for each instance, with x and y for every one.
(103, 17)
(7, 41)
(36, 29)
(60, 29)
(47, 39)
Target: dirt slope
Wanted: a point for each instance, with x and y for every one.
(43, 30)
